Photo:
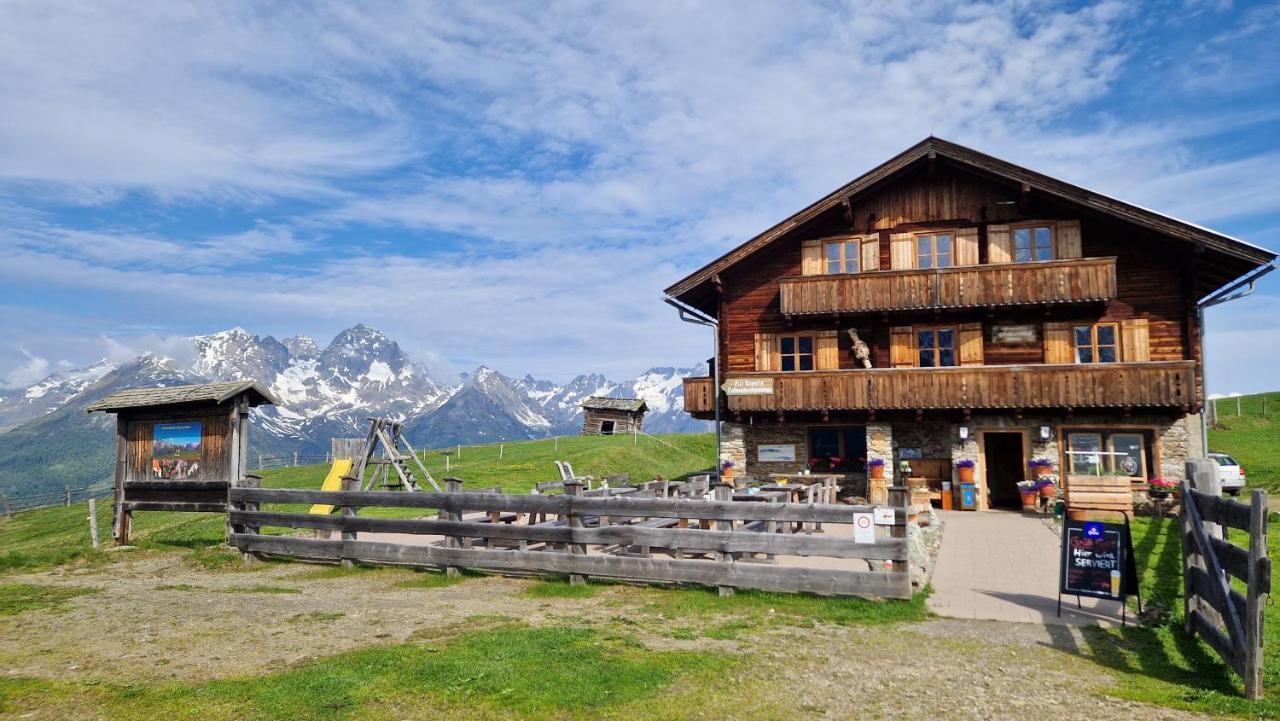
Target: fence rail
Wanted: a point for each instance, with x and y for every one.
(725, 543)
(65, 497)
(1230, 622)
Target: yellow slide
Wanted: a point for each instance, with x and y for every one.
(333, 482)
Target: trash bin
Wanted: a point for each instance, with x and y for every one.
(968, 497)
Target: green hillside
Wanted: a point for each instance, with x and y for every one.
(53, 536)
(1251, 438)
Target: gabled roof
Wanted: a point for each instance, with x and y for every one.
(183, 395)
(600, 403)
(1235, 257)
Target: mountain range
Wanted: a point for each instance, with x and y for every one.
(47, 441)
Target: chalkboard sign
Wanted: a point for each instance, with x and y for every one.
(1097, 560)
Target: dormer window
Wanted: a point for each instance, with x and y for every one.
(1032, 243)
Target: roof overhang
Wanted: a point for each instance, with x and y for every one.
(1222, 258)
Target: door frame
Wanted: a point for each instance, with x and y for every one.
(981, 461)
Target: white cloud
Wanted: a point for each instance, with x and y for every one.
(26, 374)
(587, 155)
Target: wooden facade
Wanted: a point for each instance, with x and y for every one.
(947, 280)
(155, 473)
(610, 416)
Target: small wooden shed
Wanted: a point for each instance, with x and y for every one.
(607, 416)
(179, 448)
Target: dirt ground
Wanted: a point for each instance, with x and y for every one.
(156, 617)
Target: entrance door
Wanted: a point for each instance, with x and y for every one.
(1002, 459)
(606, 428)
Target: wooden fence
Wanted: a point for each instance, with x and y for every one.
(723, 542)
(1230, 622)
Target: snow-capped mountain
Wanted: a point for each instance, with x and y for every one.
(324, 393)
(49, 394)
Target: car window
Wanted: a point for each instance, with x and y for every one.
(1225, 460)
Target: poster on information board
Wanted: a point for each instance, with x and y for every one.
(1097, 560)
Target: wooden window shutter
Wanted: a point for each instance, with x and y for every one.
(967, 246)
(902, 251)
(1057, 343)
(999, 244)
(766, 352)
(811, 257)
(970, 344)
(902, 347)
(1069, 239)
(827, 350)
(1135, 339)
(871, 252)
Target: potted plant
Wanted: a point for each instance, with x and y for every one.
(964, 470)
(875, 468)
(1161, 487)
(1027, 490)
(726, 471)
(825, 463)
(1047, 485)
(1041, 466)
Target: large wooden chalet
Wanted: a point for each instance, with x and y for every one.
(949, 305)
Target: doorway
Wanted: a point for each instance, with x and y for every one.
(1002, 460)
(606, 428)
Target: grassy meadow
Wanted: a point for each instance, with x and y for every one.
(54, 536)
(1251, 438)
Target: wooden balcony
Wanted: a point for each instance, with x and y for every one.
(1081, 280)
(1164, 384)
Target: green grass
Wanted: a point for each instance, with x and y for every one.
(1250, 438)
(18, 598)
(1164, 665)
(676, 604)
(560, 589)
(508, 673)
(54, 536)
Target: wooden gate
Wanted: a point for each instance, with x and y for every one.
(1228, 621)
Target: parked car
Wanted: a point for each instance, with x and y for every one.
(1230, 472)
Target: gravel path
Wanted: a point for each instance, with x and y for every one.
(155, 617)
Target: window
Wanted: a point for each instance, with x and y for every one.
(606, 428)
(849, 445)
(1096, 343)
(796, 352)
(1084, 453)
(1113, 453)
(841, 256)
(1032, 242)
(934, 251)
(937, 347)
(1127, 457)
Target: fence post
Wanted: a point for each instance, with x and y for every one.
(899, 497)
(500, 449)
(66, 496)
(1184, 536)
(451, 486)
(295, 459)
(1254, 600)
(349, 483)
(259, 461)
(8, 512)
(1237, 405)
(557, 444)
(573, 487)
(93, 522)
(724, 493)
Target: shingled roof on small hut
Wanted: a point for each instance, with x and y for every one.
(178, 395)
(630, 405)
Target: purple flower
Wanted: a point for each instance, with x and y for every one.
(965, 463)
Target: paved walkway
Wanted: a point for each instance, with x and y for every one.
(1003, 566)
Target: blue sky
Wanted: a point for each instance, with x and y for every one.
(514, 184)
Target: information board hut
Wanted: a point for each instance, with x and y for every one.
(607, 416)
(179, 448)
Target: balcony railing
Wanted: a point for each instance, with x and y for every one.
(1161, 384)
(1082, 280)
